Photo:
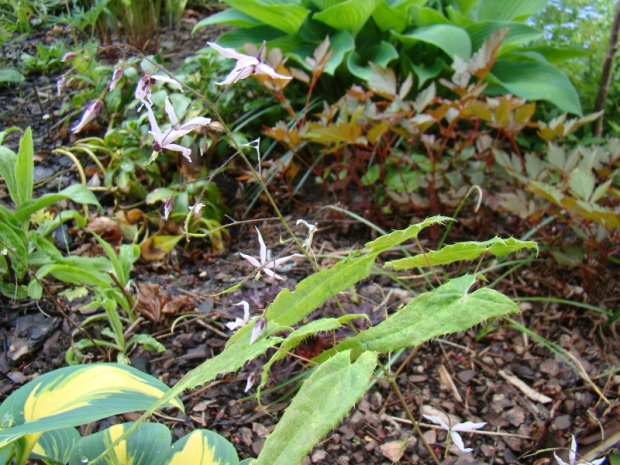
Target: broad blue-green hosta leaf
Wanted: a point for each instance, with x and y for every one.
(145, 445)
(230, 17)
(424, 16)
(56, 445)
(200, 447)
(287, 16)
(447, 309)
(535, 80)
(518, 33)
(509, 9)
(74, 396)
(451, 39)
(394, 15)
(340, 44)
(254, 35)
(350, 15)
(557, 55)
(321, 403)
(463, 251)
(379, 54)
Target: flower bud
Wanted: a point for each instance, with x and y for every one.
(69, 56)
(168, 207)
(259, 328)
(92, 110)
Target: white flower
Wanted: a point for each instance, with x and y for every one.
(454, 435)
(311, 230)
(92, 110)
(265, 265)
(246, 65)
(196, 208)
(143, 89)
(249, 382)
(259, 328)
(240, 323)
(572, 456)
(163, 140)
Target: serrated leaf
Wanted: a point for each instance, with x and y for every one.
(581, 183)
(398, 237)
(323, 400)
(447, 309)
(463, 251)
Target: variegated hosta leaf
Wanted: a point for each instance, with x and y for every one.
(74, 396)
(55, 446)
(148, 443)
(200, 447)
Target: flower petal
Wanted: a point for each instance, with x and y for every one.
(437, 420)
(468, 426)
(227, 52)
(272, 274)
(263, 248)
(263, 68)
(90, 113)
(279, 261)
(252, 260)
(458, 441)
(170, 112)
(157, 134)
(187, 153)
(259, 328)
(246, 310)
(559, 460)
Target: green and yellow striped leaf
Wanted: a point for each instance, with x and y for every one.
(200, 447)
(74, 396)
(56, 445)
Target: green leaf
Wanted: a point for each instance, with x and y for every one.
(11, 75)
(291, 307)
(459, 18)
(424, 16)
(230, 17)
(509, 9)
(56, 445)
(146, 445)
(398, 237)
(350, 15)
(518, 33)
(425, 73)
(360, 59)
(254, 35)
(581, 183)
(557, 55)
(24, 168)
(8, 160)
(323, 400)
(297, 336)
(75, 275)
(447, 309)
(285, 16)
(340, 44)
(76, 192)
(463, 251)
(200, 447)
(451, 39)
(149, 342)
(535, 80)
(76, 395)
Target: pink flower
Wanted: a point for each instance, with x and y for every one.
(266, 265)
(143, 89)
(246, 65)
(92, 110)
(164, 140)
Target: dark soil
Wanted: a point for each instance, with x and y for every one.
(473, 376)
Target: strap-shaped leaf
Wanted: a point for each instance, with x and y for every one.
(463, 251)
(24, 168)
(323, 400)
(447, 309)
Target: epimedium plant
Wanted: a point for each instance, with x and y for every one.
(411, 37)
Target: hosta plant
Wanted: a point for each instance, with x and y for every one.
(38, 421)
(410, 36)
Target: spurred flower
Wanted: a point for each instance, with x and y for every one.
(239, 323)
(265, 264)
(572, 456)
(164, 140)
(92, 110)
(246, 65)
(143, 89)
(168, 206)
(453, 430)
(260, 324)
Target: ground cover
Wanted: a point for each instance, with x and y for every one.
(532, 394)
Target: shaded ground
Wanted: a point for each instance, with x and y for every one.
(498, 377)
